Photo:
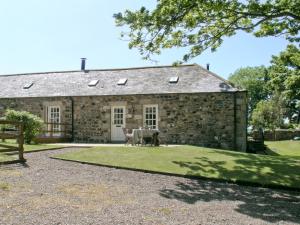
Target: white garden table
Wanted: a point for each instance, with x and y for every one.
(139, 134)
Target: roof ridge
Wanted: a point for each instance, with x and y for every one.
(112, 69)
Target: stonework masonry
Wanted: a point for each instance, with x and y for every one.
(207, 119)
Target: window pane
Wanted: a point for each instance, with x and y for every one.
(118, 116)
(54, 118)
(150, 116)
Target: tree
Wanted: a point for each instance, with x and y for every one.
(32, 123)
(284, 75)
(202, 24)
(268, 114)
(254, 80)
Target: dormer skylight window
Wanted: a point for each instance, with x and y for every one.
(122, 81)
(173, 80)
(28, 85)
(93, 83)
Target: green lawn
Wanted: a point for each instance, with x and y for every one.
(197, 161)
(27, 148)
(5, 158)
(284, 148)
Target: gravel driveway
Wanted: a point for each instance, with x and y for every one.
(49, 191)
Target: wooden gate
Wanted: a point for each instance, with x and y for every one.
(12, 130)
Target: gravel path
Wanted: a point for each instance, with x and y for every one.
(49, 191)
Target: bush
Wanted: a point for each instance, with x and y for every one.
(32, 123)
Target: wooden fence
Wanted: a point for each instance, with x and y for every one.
(12, 130)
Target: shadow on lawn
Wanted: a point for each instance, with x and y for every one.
(271, 152)
(254, 168)
(266, 204)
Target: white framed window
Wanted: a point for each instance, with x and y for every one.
(151, 116)
(54, 119)
(118, 115)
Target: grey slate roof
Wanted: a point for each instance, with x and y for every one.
(146, 80)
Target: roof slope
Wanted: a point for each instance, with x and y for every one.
(146, 80)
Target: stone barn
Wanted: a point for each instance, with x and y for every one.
(187, 103)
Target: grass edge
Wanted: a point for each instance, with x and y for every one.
(237, 181)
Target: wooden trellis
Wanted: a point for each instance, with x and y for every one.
(12, 130)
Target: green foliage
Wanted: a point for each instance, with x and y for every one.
(285, 79)
(252, 79)
(268, 114)
(277, 88)
(32, 123)
(202, 24)
(285, 74)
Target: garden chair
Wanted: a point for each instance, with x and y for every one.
(150, 137)
(128, 135)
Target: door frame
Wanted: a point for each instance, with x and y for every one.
(112, 120)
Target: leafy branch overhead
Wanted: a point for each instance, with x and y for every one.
(200, 24)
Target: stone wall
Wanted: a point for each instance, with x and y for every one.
(206, 119)
(280, 134)
(200, 119)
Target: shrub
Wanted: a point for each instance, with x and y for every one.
(32, 123)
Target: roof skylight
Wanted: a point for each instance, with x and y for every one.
(122, 81)
(28, 85)
(174, 80)
(93, 83)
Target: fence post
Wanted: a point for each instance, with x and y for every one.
(21, 142)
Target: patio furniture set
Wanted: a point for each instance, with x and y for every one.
(142, 136)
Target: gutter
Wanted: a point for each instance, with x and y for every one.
(72, 123)
(234, 121)
(120, 95)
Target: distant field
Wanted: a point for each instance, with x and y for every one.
(284, 148)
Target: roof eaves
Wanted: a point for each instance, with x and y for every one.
(120, 94)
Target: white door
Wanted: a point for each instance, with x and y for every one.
(117, 123)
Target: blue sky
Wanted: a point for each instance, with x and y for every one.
(44, 35)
